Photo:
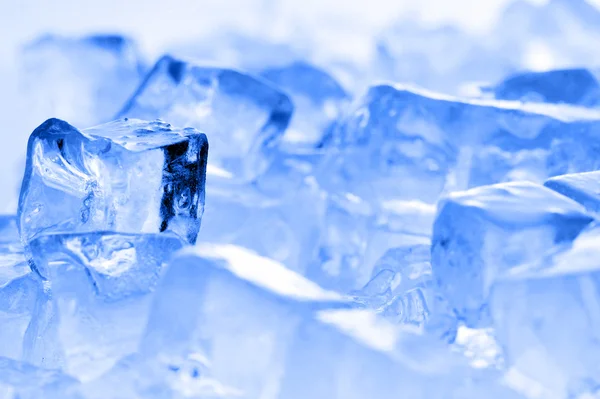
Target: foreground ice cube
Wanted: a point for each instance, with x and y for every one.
(19, 290)
(83, 80)
(570, 86)
(244, 116)
(546, 317)
(101, 285)
(580, 187)
(265, 331)
(25, 381)
(318, 100)
(481, 233)
(127, 176)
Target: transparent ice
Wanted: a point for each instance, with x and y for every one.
(580, 187)
(243, 116)
(546, 316)
(318, 101)
(83, 80)
(487, 231)
(127, 176)
(569, 86)
(101, 288)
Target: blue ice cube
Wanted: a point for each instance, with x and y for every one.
(127, 176)
(403, 143)
(244, 116)
(546, 317)
(83, 80)
(355, 235)
(571, 86)
(283, 224)
(25, 381)
(580, 187)
(263, 328)
(389, 147)
(101, 289)
(318, 101)
(481, 233)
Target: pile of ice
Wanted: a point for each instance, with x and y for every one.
(397, 243)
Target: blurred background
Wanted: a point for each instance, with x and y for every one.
(456, 47)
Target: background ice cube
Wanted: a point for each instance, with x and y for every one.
(481, 233)
(243, 116)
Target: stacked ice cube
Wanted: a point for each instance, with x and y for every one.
(403, 243)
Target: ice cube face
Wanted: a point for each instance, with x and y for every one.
(127, 176)
(101, 288)
(583, 188)
(484, 232)
(569, 86)
(243, 116)
(546, 316)
(318, 100)
(83, 80)
(387, 147)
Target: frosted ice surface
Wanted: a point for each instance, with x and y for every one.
(128, 176)
(243, 116)
(481, 233)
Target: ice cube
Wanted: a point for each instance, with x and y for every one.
(101, 285)
(83, 80)
(355, 235)
(283, 224)
(25, 381)
(264, 330)
(244, 116)
(481, 233)
(580, 187)
(128, 176)
(571, 86)
(388, 147)
(318, 101)
(546, 317)
(398, 138)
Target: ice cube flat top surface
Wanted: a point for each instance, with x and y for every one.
(517, 203)
(263, 272)
(137, 135)
(571, 86)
